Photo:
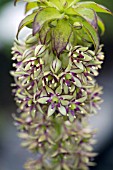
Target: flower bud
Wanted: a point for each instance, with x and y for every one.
(77, 25)
(55, 66)
(31, 40)
(39, 49)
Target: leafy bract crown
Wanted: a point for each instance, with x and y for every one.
(61, 21)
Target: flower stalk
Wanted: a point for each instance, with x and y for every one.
(55, 87)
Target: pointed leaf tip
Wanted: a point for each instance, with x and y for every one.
(101, 25)
(26, 21)
(89, 15)
(95, 6)
(46, 14)
(29, 6)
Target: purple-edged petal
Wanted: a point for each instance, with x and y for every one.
(49, 90)
(64, 102)
(83, 111)
(62, 110)
(71, 117)
(81, 100)
(77, 82)
(43, 100)
(51, 110)
(67, 97)
(79, 65)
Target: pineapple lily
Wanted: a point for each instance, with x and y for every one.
(55, 87)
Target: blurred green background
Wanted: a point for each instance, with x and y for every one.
(12, 156)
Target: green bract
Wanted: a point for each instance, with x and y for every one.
(65, 14)
(55, 87)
